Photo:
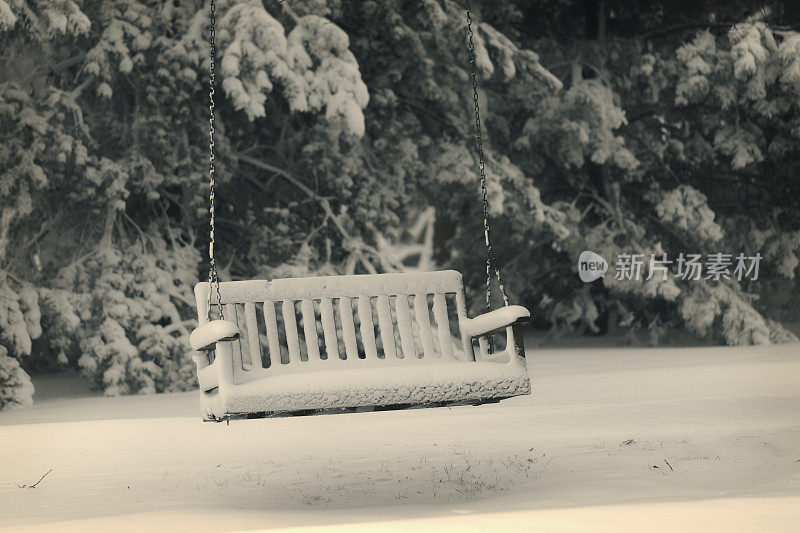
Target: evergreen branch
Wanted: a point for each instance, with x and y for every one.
(650, 34)
(657, 156)
(181, 325)
(289, 11)
(326, 206)
(645, 113)
(52, 69)
(702, 26)
(745, 179)
(321, 200)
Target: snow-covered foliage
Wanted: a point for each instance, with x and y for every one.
(19, 326)
(580, 124)
(308, 63)
(19, 318)
(123, 309)
(16, 389)
(44, 19)
(78, 270)
(7, 17)
(685, 208)
(648, 139)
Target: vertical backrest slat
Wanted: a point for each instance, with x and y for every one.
(386, 326)
(339, 333)
(466, 340)
(236, 346)
(403, 313)
(328, 328)
(252, 334)
(230, 313)
(271, 321)
(290, 323)
(367, 327)
(442, 325)
(244, 341)
(483, 346)
(310, 329)
(348, 329)
(424, 323)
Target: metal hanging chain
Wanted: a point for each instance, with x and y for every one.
(491, 260)
(213, 278)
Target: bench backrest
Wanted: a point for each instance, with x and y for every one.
(395, 318)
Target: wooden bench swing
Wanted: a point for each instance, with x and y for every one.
(349, 343)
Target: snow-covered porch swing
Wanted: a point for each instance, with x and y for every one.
(295, 346)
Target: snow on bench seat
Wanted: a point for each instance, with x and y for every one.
(353, 341)
(373, 387)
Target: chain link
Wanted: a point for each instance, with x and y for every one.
(491, 260)
(213, 278)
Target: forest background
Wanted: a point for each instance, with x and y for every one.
(345, 144)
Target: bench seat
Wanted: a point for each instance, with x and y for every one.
(363, 341)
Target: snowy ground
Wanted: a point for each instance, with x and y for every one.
(693, 439)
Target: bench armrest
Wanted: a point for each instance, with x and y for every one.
(206, 337)
(494, 320)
